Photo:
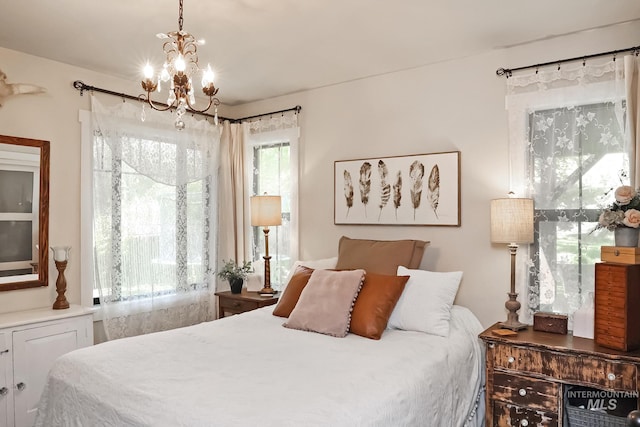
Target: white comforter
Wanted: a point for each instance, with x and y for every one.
(248, 370)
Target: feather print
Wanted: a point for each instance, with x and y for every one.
(348, 190)
(416, 173)
(365, 184)
(385, 188)
(434, 189)
(397, 192)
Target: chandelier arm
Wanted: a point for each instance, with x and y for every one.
(148, 100)
(203, 110)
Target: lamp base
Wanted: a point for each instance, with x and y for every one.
(267, 291)
(513, 325)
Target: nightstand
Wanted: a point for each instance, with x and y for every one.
(242, 302)
(528, 375)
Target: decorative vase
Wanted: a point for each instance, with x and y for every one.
(236, 285)
(626, 236)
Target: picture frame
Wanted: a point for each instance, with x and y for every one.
(418, 189)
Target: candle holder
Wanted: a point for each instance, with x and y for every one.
(61, 257)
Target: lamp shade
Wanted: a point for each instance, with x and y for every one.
(512, 220)
(266, 211)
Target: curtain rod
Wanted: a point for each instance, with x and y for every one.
(509, 71)
(79, 85)
(297, 109)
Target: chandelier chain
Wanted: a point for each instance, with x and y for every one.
(180, 18)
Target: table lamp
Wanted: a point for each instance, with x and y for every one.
(266, 211)
(512, 223)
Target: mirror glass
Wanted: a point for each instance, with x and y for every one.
(24, 213)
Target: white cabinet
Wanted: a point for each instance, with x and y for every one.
(30, 342)
(4, 381)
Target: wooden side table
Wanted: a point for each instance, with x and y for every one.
(242, 302)
(528, 374)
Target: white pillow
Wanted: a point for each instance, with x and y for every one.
(319, 264)
(425, 303)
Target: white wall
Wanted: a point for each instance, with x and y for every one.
(456, 105)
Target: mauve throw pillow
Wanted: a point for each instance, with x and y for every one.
(292, 292)
(375, 302)
(326, 302)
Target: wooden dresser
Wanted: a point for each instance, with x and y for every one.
(527, 374)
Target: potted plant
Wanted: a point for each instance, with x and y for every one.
(235, 274)
(623, 217)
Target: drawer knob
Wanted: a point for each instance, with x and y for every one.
(522, 392)
(611, 376)
(491, 345)
(4, 391)
(524, 423)
(511, 359)
(21, 386)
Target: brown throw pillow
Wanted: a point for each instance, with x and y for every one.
(326, 302)
(379, 256)
(375, 303)
(292, 292)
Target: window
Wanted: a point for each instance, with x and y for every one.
(273, 162)
(149, 236)
(576, 154)
(568, 151)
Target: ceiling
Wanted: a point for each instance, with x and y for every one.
(265, 48)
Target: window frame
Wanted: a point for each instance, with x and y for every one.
(288, 136)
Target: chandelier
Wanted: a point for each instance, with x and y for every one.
(180, 67)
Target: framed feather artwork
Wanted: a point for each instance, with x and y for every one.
(420, 189)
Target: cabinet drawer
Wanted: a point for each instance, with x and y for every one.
(505, 415)
(530, 392)
(238, 306)
(584, 370)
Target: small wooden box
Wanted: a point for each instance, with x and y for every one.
(620, 254)
(550, 322)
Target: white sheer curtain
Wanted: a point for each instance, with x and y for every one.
(570, 144)
(154, 219)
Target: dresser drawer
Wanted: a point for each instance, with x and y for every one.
(506, 415)
(583, 370)
(237, 306)
(523, 391)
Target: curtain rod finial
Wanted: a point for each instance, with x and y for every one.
(503, 72)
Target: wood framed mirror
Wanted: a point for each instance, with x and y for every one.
(24, 213)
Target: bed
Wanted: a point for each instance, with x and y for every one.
(248, 370)
(366, 342)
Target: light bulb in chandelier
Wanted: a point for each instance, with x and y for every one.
(180, 64)
(207, 76)
(148, 71)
